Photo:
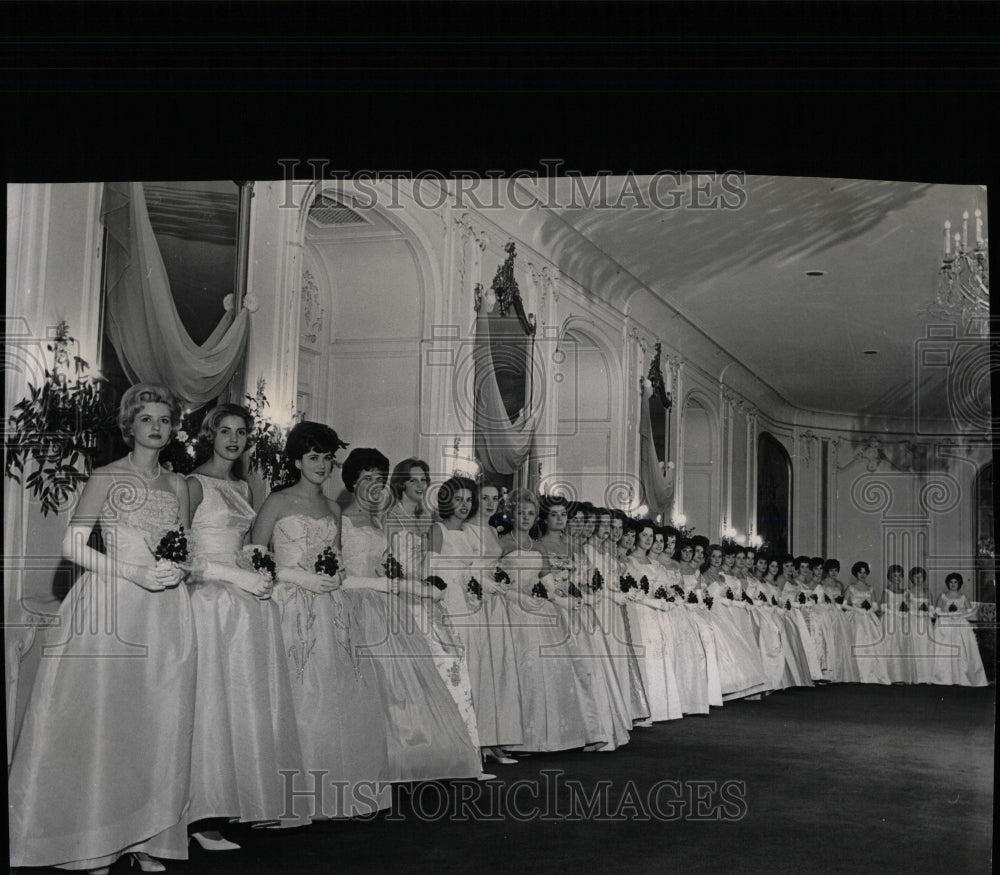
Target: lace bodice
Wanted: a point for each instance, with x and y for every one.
(299, 539)
(362, 549)
(223, 518)
(134, 519)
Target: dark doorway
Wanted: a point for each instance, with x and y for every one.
(774, 495)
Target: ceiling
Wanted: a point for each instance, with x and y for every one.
(739, 275)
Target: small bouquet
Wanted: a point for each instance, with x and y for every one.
(436, 582)
(661, 593)
(904, 608)
(596, 581)
(774, 602)
(952, 608)
(826, 599)
(802, 598)
(327, 563)
(254, 558)
(839, 600)
(539, 591)
(476, 588)
(744, 597)
(501, 576)
(788, 605)
(644, 584)
(867, 605)
(729, 593)
(815, 598)
(692, 598)
(708, 602)
(923, 607)
(574, 591)
(677, 588)
(627, 582)
(762, 596)
(172, 547)
(393, 570)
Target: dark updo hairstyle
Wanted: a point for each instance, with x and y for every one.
(210, 430)
(309, 437)
(954, 576)
(917, 569)
(894, 569)
(145, 393)
(362, 459)
(446, 496)
(545, 505)
(816, 562)
(831, 565)
(800, 561)
(857, 566)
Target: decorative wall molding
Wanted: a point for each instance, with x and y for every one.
(312, 308)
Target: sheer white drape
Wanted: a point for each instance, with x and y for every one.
(501, 445)
(142, 320)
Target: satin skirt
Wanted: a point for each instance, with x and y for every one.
(655, 666)
(102, 763)
(956, 654)
(867, 649)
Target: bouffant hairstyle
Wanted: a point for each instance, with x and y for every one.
(800, 561)
(954, 576)
(831, 565)
(362, 459)
(917, 569)
(446, 496)
(309, 437)
(210, 424)
(860, 566)
(401, 473)
(546, 504)
(894, 569)
(145, 393)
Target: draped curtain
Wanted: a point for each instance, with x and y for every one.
(659, 488)
(142, 320)
(501, 445)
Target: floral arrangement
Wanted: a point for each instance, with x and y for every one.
(802, 598)
(62, 423)
(774, 602)
(644, 584)
(655, 377)
(923, 607)
(254, 558)
(826, 599)
(867, 605)
(692, 598)
(627, 582)
(596, 581)
(762, 596)
(392, 568)
(746, 598)
(708, 602)
(476, 588)
(729, 593)
(677, 588)
(814, 597)
(904, 608)
(539, 591)
(327, 563)
(501, 576)
(267, 441)
(952, 608)
(436, 582)
(574, 591)
(788, 605)
(839, 600)
(661, 593)
(172, 546)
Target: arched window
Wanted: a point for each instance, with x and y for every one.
(774, 494)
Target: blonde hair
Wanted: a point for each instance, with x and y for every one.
(146, 393)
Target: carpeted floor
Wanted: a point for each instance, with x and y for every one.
(834, 779)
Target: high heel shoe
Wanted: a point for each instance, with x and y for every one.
(498, 755)
(146, 863)
(209, 842)
(485, 776)
(102, 871)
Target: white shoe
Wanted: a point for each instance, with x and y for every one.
(214, 844)
(485, 776)
(147, 863)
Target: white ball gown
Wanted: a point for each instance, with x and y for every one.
(426, 734)
(922, 634)
(245, 732)
(102, 763)
(482, 626)
(956, 653)
(897, 642)
(867, 646)
(339, 704)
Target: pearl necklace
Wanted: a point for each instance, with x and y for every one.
(143, 474)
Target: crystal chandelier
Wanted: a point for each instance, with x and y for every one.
(963, 286)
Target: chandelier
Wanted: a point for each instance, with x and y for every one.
(963, 285)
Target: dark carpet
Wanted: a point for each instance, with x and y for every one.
(833, 779)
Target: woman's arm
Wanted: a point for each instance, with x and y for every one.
(263, 526)
(195, 493)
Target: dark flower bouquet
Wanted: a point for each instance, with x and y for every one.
(708, 602)
(762, 596)
(802, 598)
(923, 607)
(904, 608)
(827, 600)
(644, 584)
(393, 570)
(788, 605)
(774, 602)
(952, 608)
(661, 593)
(254, 558)
(596, 581)
(328, 563)
(476, 588)
(677, 588)
(729, 593)
(692, 598)
(744, 597)
(627, 582)
(574, 591)
(815, 598)
(539, 591)
(839, 600)
(501, 576)
(436, 581)
(172, 546)
(867, 605)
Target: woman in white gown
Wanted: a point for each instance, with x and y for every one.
(868, 647)
(431, 730)
(921, 626)
(956, 654)
(847, 667)
(897, 627)
(477, 616)
(102, 762)
(339, 704)
(245, 732)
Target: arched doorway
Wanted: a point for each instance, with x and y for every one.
(700, 458)
(774, 494)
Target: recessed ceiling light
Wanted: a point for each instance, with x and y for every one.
(871, 352)
(815, 273)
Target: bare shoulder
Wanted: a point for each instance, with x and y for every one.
(334, 508)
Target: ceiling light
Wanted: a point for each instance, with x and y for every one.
(815, 273)
(871, 352)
